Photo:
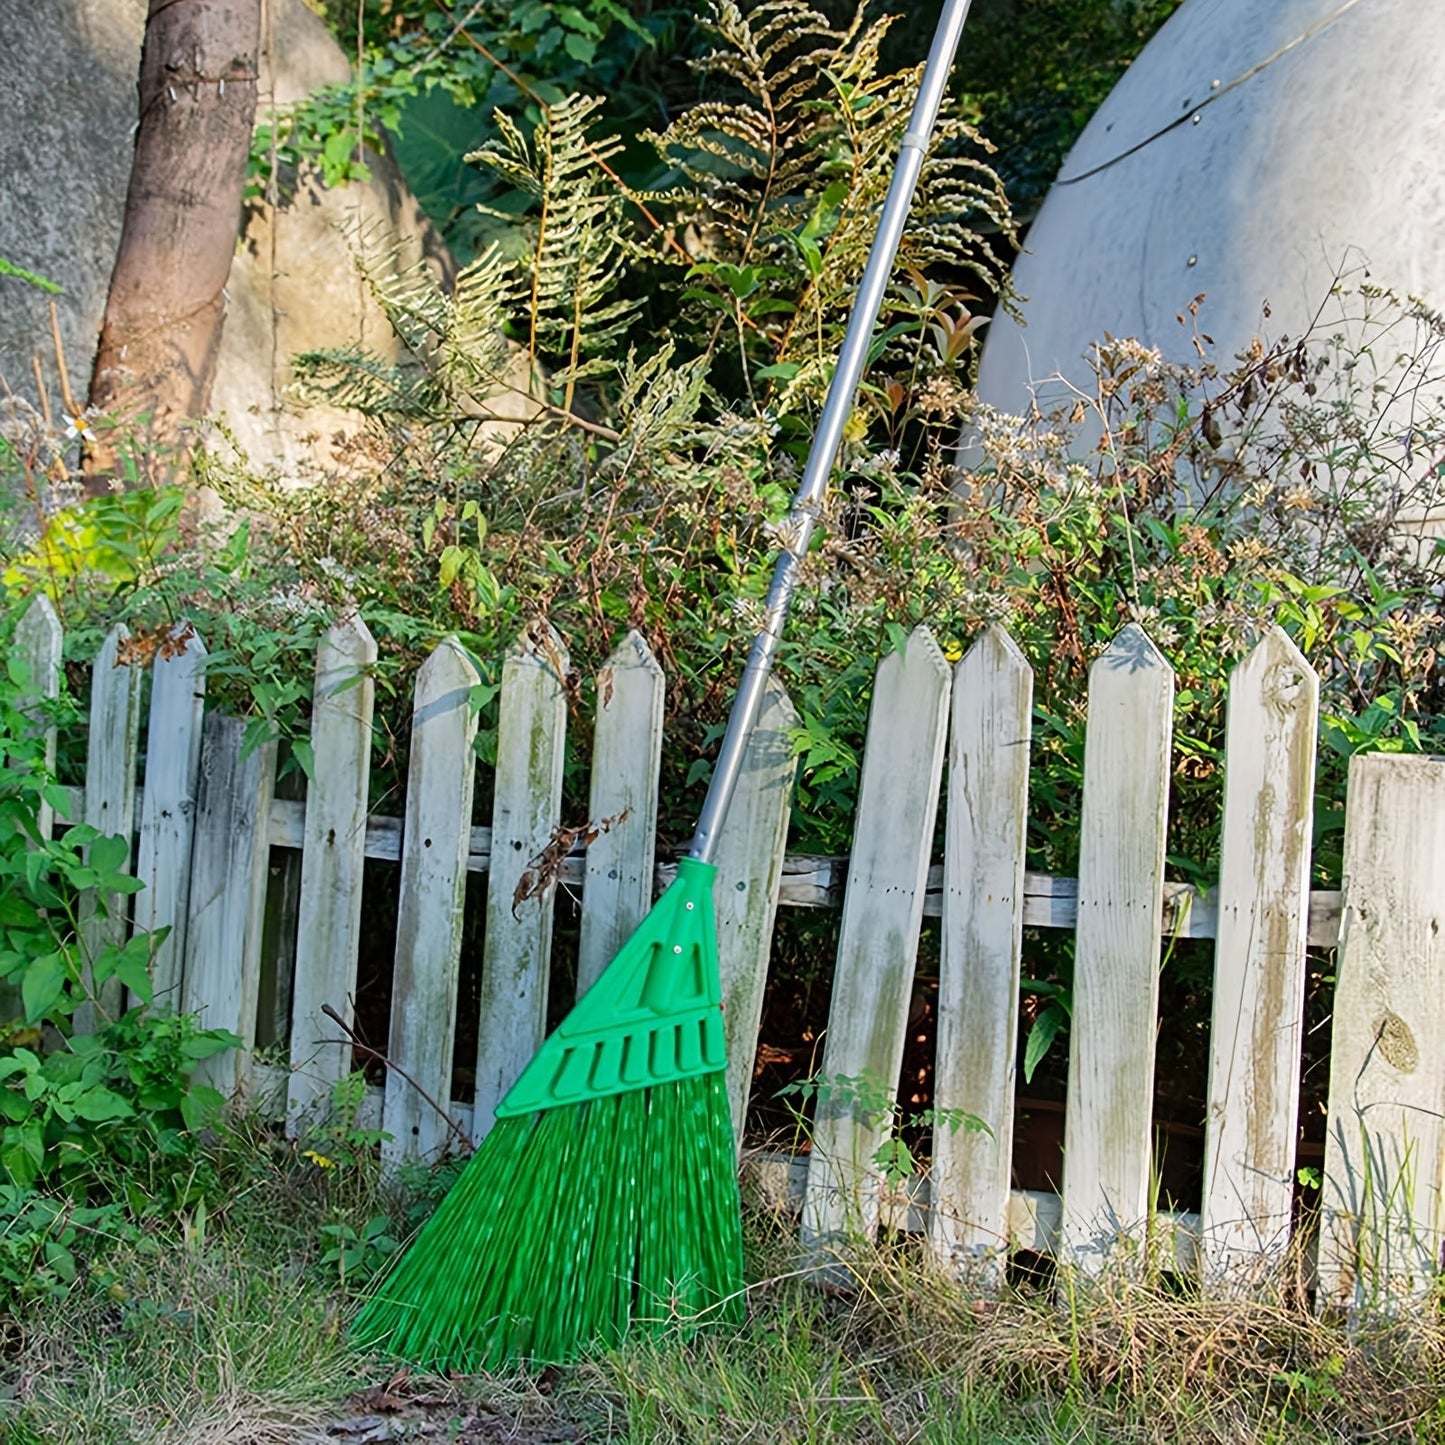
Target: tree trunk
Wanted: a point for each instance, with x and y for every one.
(162, 327)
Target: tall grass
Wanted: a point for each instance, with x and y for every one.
(233, 1329)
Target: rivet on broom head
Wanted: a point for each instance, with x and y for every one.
(677, 948)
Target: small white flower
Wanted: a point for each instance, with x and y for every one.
(77, 428)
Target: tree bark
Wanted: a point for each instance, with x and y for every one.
(162, 327)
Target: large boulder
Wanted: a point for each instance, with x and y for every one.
(68, 95)
(1252, 152)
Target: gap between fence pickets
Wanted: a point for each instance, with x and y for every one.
(810, 881)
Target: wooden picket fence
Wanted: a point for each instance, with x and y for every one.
(208, 819)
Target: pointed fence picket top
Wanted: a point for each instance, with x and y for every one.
(749, 874)
(986, 822)
(435, 844)
(626, 756)
(1383, 1217)
(168, 804)
(110, 769)
(39, 642)
(1107, 1155)
(329, 920)
(1259, 968)
(526, 812)
(221, 976)
(878, 944)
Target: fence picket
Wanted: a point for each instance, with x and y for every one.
(38, 645)
(626, 755)
(1116, 954)
(435, 842)
(987, 815)
(167, 815)
(329, 925)
(221, 976)
(1383, 1215)
(39, 642)
(1263, 900)
(525, 814)
(882, 913)
(110, 768)
(749, 873)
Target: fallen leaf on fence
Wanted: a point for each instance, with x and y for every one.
(142, 648)
(544, 869)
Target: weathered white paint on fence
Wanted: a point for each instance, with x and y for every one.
(987, 816)
(626, 755)
(878, 943)
(749, 864)
(1259, 967)
(1116, 954)
(167, 815)
(329, 924)
(1385, 1148)
(227, 893)
(39, 642)
(440, 782)
(110, 769)
(526, 811)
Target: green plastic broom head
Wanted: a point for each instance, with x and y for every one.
(655, 1015)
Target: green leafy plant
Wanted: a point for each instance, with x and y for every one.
(99, 1123)
(875, 1103)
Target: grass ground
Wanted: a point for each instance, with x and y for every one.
(231, 1331)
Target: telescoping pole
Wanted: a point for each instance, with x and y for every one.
(842, 391)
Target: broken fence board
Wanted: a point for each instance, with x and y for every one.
(1383, 1216)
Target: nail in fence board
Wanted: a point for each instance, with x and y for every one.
(1381, 1230)
(1116, 958)
(987, 812)
(110, 768)
(878, 945)
(227, 894)
(526, 811)
(333, 849)
(626, 756)
(440, 782)
(745, 897)
(167, 815)
(1259, 968)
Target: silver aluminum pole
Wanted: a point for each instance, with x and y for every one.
(807, 504)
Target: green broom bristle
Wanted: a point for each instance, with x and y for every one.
(570, 1228)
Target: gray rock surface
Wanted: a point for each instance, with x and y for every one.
(67, 118)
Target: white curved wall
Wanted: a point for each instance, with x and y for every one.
(1251, 150)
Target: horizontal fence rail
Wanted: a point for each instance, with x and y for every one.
(949, 741)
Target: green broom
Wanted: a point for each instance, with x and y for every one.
(605, 1198)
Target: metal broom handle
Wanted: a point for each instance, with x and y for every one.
(807, 504)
